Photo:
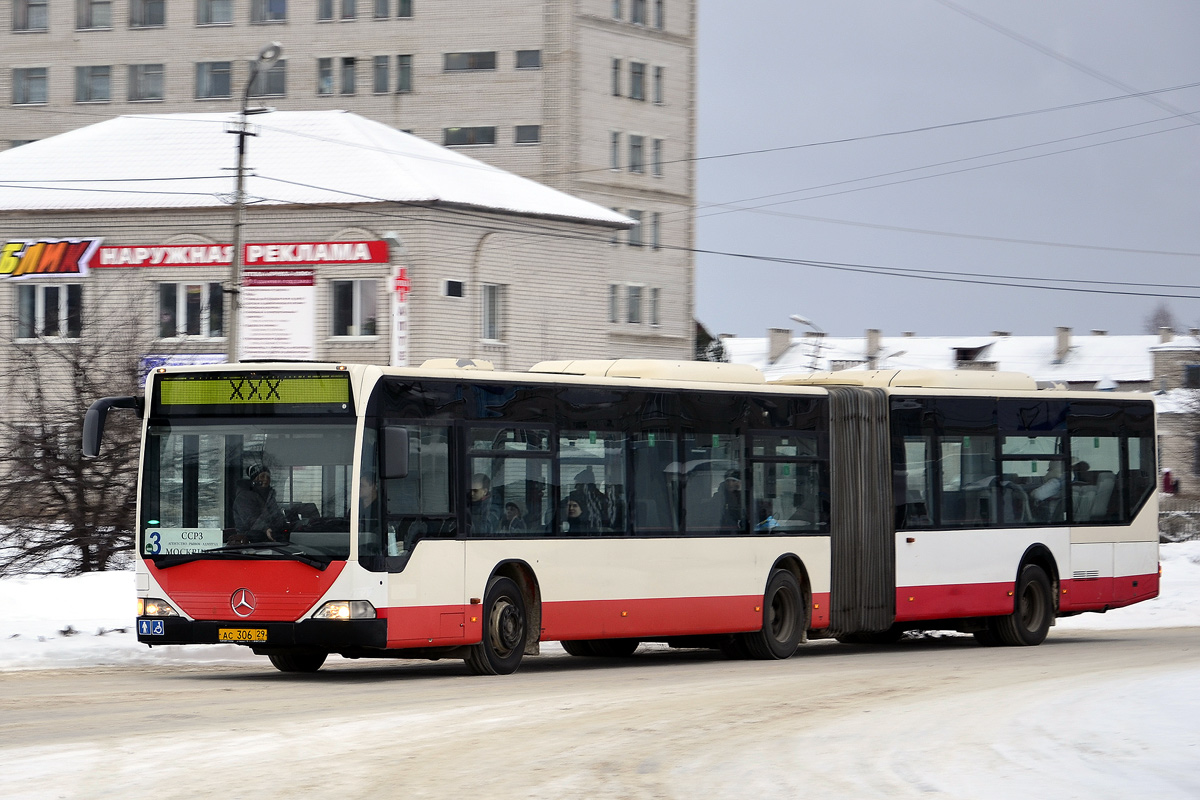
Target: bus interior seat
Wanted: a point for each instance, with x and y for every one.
(1105, 481)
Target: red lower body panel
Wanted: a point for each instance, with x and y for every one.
(1096, 594)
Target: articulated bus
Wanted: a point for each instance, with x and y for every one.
(456, 511)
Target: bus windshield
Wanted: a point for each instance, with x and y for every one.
(234, 487)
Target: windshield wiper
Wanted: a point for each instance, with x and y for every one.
(243, 551)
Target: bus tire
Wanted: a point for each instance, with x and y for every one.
(783, 619)
(300, 661)
(1033, 610)
(614, 648)
(504, 628)
(580, 647)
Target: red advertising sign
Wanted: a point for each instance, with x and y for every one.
(27, 258)
(281, 254)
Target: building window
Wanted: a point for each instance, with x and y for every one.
(271, 82)
(637, 12)
(454, 137)
(93, 14)
(492, 298)
(212, 79)
(614, 302)
(635, 233)
(30, 15)
(404, 76)
(655, 230)
(637, 153)
(145, 81)
(190, 309)
(637, 80)
(528, 134)
(660, 14)
(349, 10)
(214, 12)
(529, 59)
(268, 11)
(29, 86)
(1191, 376)
(633, 305)
(147, 13)
(324, 76)
(464, 62)
(383, 9)
(51, 311)
(93, 84)
(616, 77)
(452, 288)
(616, 238)
(380, 79)
(655, 320)
(658, 85)
(20, 142)
(348, 75)
(354, 308)
(405, 9)
(616, 9)
(656, 158)
(614, 154)
(324, 10)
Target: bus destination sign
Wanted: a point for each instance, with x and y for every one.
(253, 393)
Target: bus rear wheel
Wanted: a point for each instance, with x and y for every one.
(302, 661)
(783, 619)
(504, 627)
(1032, 613)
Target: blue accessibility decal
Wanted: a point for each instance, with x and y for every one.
(150, 627)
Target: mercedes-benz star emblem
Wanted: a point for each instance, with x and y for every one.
(242, 602)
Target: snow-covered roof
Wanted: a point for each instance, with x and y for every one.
(297, 157)
(1089, 358)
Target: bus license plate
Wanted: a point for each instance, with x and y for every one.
(241, 634)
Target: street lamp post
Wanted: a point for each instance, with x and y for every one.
(820, 334)
(267, 56)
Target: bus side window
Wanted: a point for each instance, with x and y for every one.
(656, 482)
(418, 506)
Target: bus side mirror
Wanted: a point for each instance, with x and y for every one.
(93, 422)
(395, 452)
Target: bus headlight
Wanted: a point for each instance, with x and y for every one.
(153, 607)
(345, 609)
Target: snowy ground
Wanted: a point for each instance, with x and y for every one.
(53, 622)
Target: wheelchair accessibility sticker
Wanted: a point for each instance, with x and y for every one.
(150, 627)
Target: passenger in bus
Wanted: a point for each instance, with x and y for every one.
(256, 514)
(484, 516)
(512, 523)
(595, 502)
(1047, 496)
(766, 517)
(535, 493)
(575, 519)
(731, 509)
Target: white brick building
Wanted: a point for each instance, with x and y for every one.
(593, 97)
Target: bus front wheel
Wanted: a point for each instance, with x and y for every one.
(783, 619)
(302, 661)
(1032, 613)
(504, 626)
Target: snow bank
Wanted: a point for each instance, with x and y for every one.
(88, 620)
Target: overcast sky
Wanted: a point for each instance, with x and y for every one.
(783, 73)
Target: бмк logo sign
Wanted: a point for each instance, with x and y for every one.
(27, 258)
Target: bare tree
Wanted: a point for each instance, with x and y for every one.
(62, 513)
(708, 347)
(1161, 317)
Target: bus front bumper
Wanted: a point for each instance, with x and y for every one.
(310, 634)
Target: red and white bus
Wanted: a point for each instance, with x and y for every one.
(453, 511)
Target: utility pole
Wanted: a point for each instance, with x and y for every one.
(267, 56)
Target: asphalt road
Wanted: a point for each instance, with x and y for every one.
(937, 717)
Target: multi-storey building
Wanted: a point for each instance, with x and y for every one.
(592, 97)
